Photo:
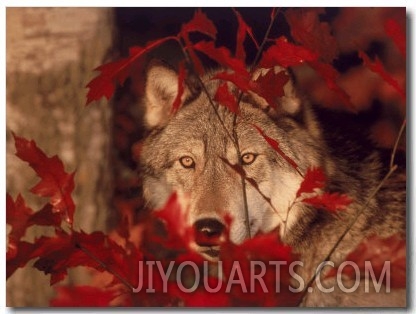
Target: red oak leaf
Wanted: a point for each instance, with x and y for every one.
(270, 86)
(275, 145)
(286, 54)
(377, 67)
(222, 56)
(52, 252)
(55, 182)
(272, 257)
(267, 246)
(197, 64)
(116, 72)
(181, 88)
(18, 258)
(309, 31)
(332, 202)
(224, 97)
(371, 256)
(243, 82)
(46, 217)
(104, 84)
(396, 33)
(180, 235)
(199, 23)
(330, 75)
(82, 296)
(17, 216)
(242, 32)
(59, 253)
(314, 179)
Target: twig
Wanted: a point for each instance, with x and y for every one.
(201, 83)
(106, 267)
(240, 96)
(396, 144)
(348, 228)
(265, 39)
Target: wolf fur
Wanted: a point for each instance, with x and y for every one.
(213, 189)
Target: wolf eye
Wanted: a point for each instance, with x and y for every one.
(248, 158)
(187, 162)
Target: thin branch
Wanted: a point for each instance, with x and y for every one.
(265, 39)
(253, 183)
(348, 228)
(396, 144)
(201, 83)
(106, 267)
(240, 96)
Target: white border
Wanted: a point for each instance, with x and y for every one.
(240, 3)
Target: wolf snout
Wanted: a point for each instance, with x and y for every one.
(208, 231)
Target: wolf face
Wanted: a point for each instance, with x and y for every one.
(188, 152)
(192, 153)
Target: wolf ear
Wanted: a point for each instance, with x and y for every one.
(290, 104)
(160, 92)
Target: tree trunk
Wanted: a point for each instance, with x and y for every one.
(51, 54)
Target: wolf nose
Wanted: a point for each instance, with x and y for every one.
(208, 231)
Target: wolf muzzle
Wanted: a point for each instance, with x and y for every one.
(208, 232)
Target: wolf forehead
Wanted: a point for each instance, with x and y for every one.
(196, 129)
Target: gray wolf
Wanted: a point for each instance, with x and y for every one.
(184, 153)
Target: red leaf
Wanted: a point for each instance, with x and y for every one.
(237, 265)
(224, 97)
(19, 258)
(329, 201)
(221, 55)
(46, 217)
(243, 82)
(181, 88)
(275, 145)
(270, 86)
(267, 246)
(314, 179)
(199, 23)
(116, 72)
(396, 33)
(242, 32)
(104, 84)
(286, 54)
(55, 182)
(58, 253)
(17, 216)
(175, 217)
(314, 35)
(330, 75)
(52, 252)
(377, 67)
(199, 68)
(375, 251)
(82, 296)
